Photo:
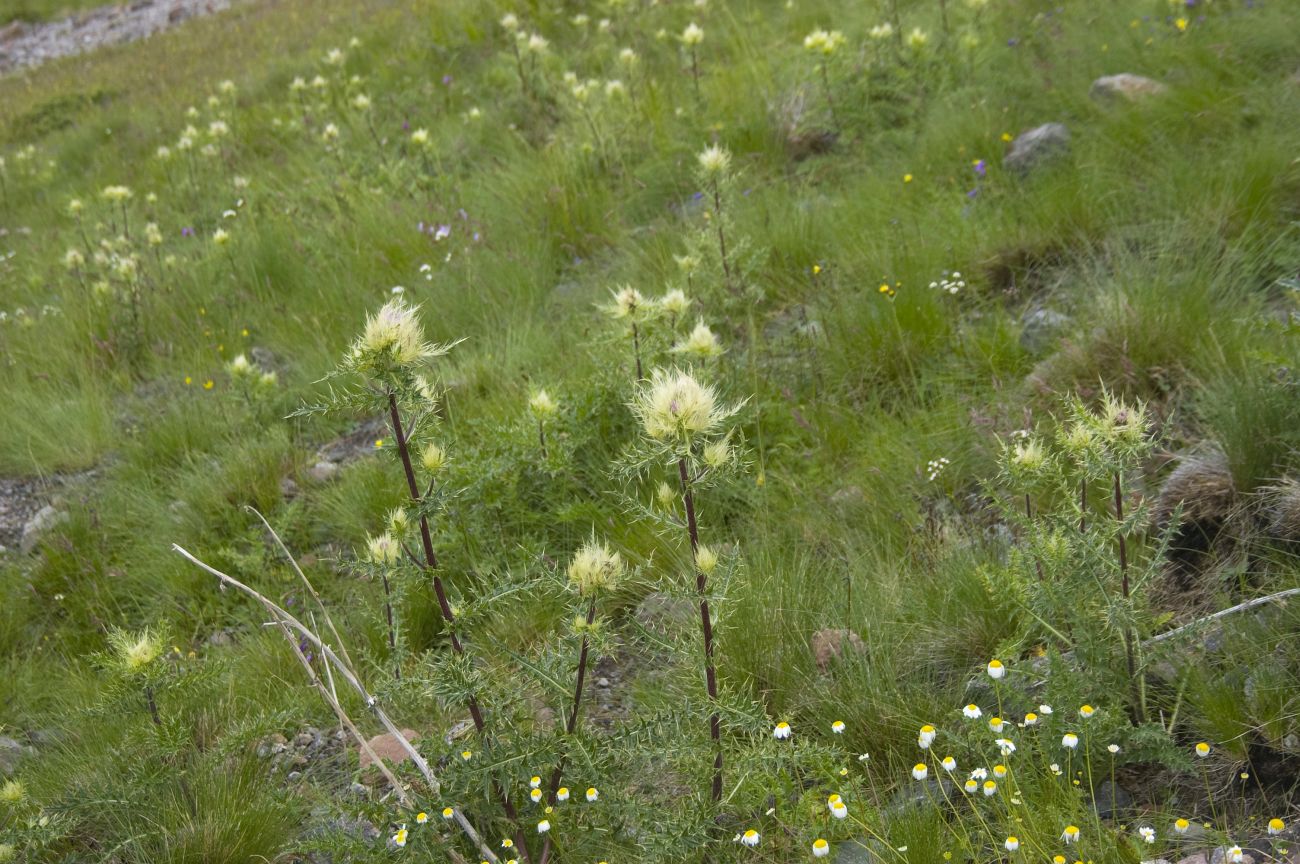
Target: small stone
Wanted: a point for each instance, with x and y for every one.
(1039, 327)
(293, 775)
(38, 526)
(1112, 799)
(1220, 856)
(272, 745)
(848, 496)
(13, 752)
(388, 748)
(828, 645)
(1037, 147)
(602, 682)
(1198, 858)
(263, 357)
(288, 488)
(323, 471)
(1125, 86)
(303, 739)
(360, 790)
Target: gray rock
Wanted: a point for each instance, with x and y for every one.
(12, 753)
(1126, 87)
(288, 488)
(1112, 799)
(38, 526)
(1198, 858)
(602, 682)
(862, 852)
(1220, 856)
(264, 358)
(1039, 327)
(1157, 861)
(323, 471)
(1039, 146)
(26, 45)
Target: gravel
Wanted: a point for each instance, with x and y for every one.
(24, 45)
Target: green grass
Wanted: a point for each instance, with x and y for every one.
(1167, 237)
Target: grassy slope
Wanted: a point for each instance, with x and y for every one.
(1163, 237)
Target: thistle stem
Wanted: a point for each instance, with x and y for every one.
(636, 351)
(392, 633)
(706, 626)
(722, 237)
(1136, 681)
(431, 564)
(571, 725)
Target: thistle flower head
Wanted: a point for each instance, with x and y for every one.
(240, 367)
(383, 549)
(1028, 455)
(706, 560)
(542, 405)
(674, 302)
(693, 35)
(116, 194)
(822, 42)
(917, 39)
(881, 31)
(628, 302)
(434, 458)
(12, 792)
(714, 161)
(674, 407)
(510, 22)
(73, 259)
(702, 343)
(135, 651)
(392, 337)
(595, 568)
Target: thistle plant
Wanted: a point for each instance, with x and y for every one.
(714, 172)
(389, 358)
(1083, 587)
(823, 45)
(543, 409)
(692, 37)
(628, 305)
(683, 426)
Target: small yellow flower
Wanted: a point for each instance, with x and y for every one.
(209, 384)
(421, 817)
(1202, 749)
(907, 178)
(1276, 826)
(1006, 137)
(466, 754)
(1181, 24)
(448, 812)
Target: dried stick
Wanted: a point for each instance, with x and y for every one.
(289, 621)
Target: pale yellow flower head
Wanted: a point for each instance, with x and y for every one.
(822, 42)
(135, 651)
(693, 34)
(714, 161)
(674, 407)
(542, 405)
(595, 568)
(12, 792)
(675, 302)
(434, 458)
(702, 343)
(628, 302)
(383, 549)
(1028, 455)
(393, 334)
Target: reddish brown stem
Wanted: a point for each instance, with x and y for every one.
(431, 564)
(706, 627)
(569, 728)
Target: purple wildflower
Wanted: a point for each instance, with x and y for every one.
(981, 168)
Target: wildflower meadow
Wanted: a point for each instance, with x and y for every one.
(645, 431)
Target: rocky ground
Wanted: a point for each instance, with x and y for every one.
(24, 44)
